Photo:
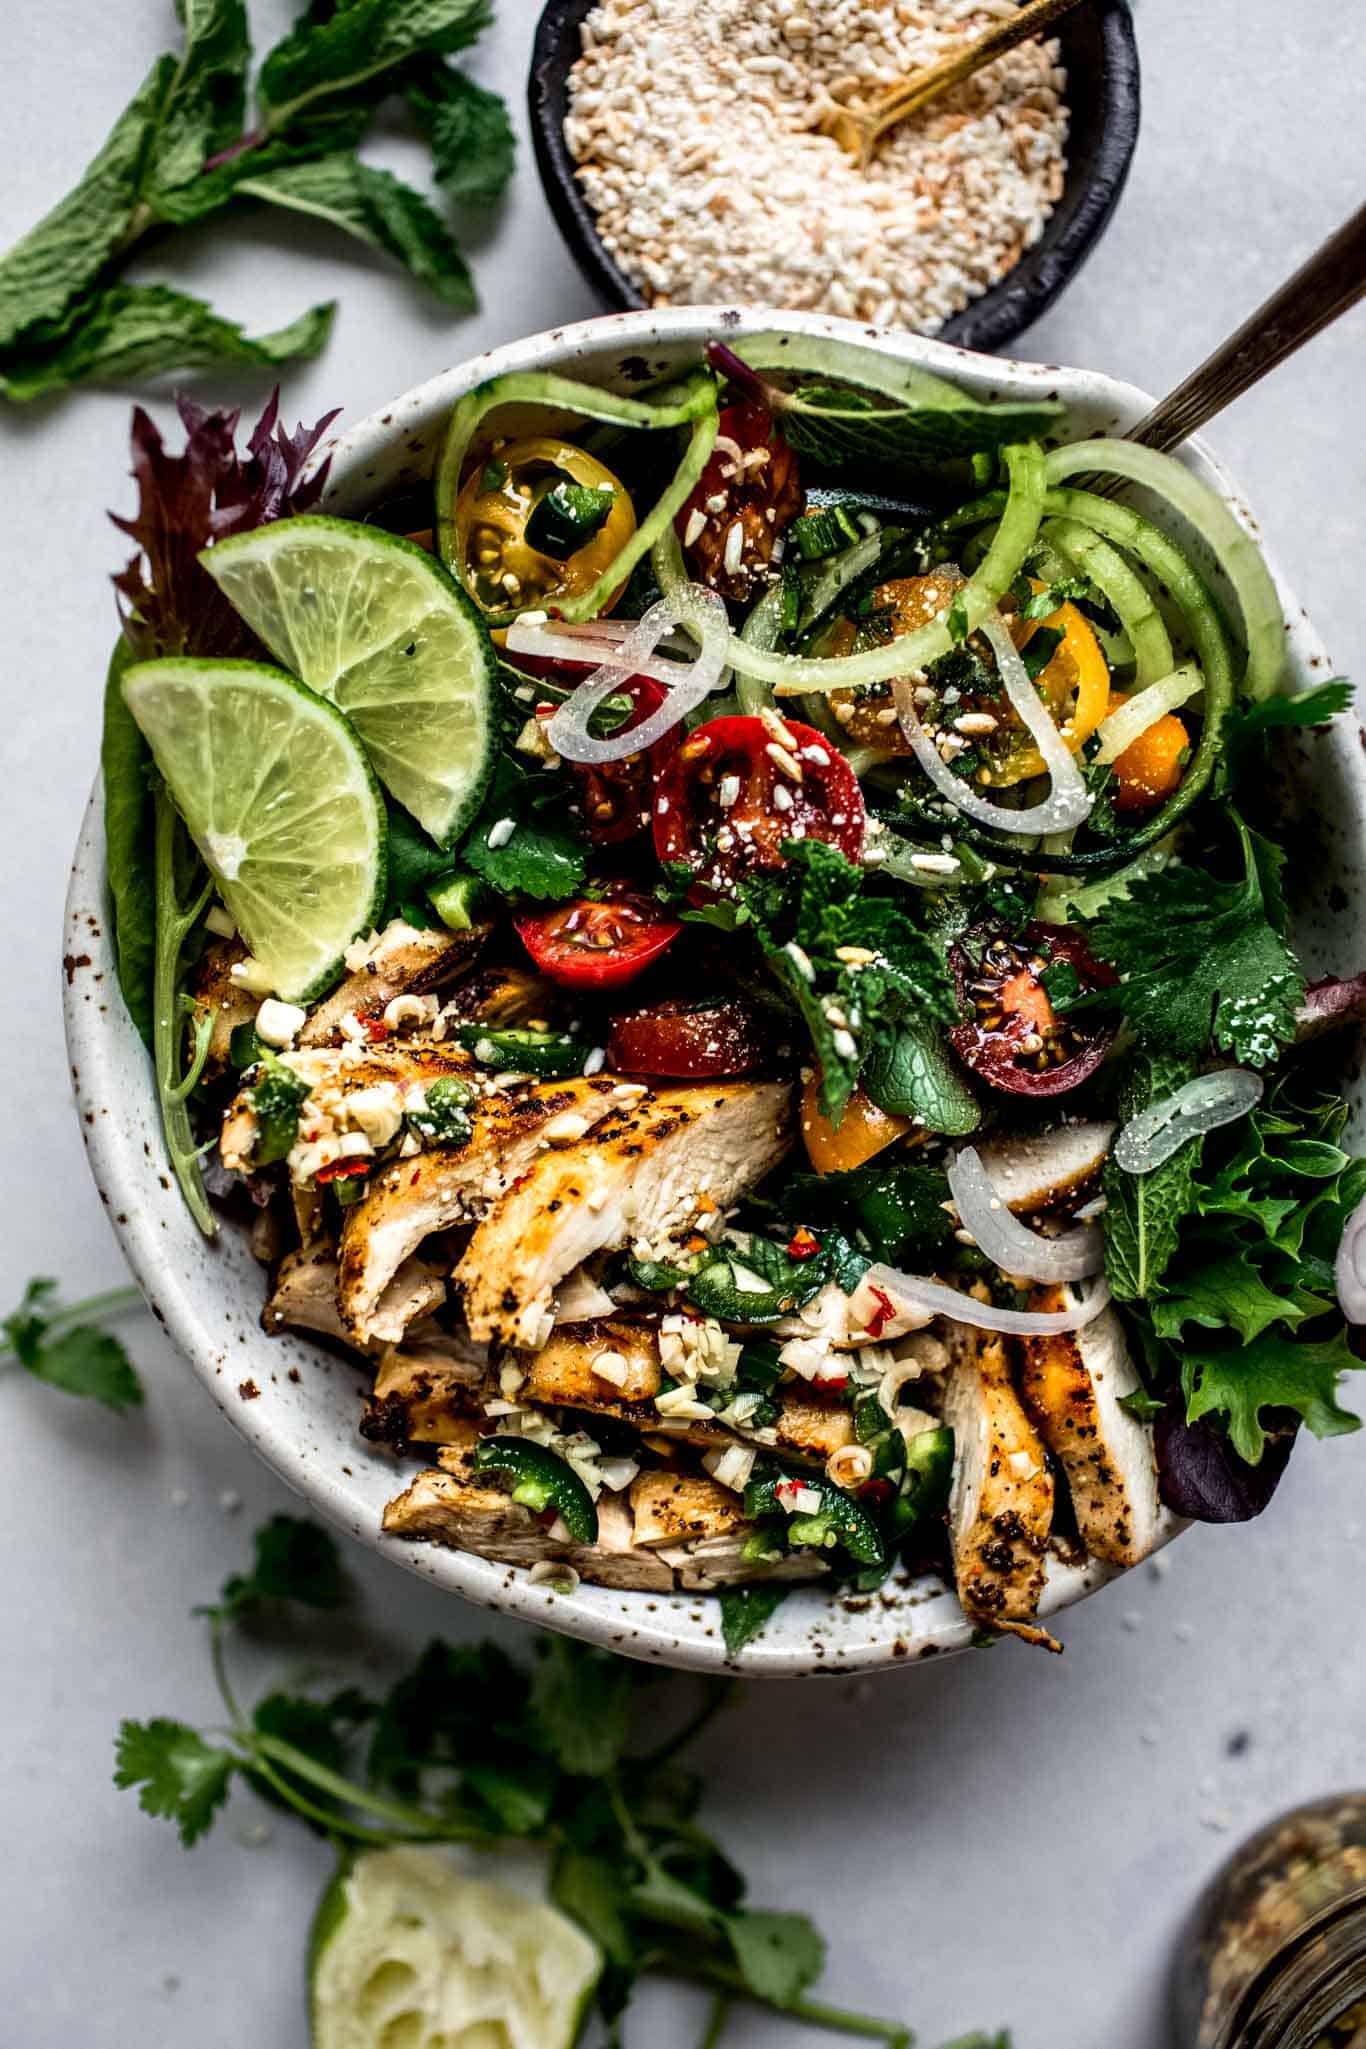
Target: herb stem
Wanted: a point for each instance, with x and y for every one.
(717, 1696)
(335, 1824)
(92, 1309)
(173, 928)
(716, 2022)
(415, 1822)
(811, 2013)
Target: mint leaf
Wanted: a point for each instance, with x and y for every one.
(63, 255)
(779, 1954)
(357, 46)
(182, 1778)
(1200, 963)
(912, 1075)
(204, 107)
(1144, 1212)
(135, 330)
(377, 208)
(745, 1610)
(1273, 1372)
(838, 426)
(471, 136)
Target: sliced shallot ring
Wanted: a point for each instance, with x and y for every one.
(1068, 801)
(596, 642)
(1012, 1245)
(1200, 1105)
(1349, 1270)
(704, 614)
(922, 1291)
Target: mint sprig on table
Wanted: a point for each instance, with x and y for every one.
(183, 151)
(472, 1748)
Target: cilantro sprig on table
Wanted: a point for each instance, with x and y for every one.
(182, 152)
(65, 1347)
(470, 1747)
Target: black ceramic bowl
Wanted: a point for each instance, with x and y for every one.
(1101, 57)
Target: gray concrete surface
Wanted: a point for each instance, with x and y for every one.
(1008, 1839)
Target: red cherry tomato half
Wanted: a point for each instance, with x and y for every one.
(597, 945)
(687, 1040)
(616, 795)
(754, 472)
(1011, 1035)
(734, 792)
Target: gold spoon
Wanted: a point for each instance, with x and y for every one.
(856, 130)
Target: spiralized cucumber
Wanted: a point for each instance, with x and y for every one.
(1123, 590)
(692, 405)
(1232, 546)
(792, 675)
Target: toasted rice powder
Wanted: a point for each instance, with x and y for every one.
(691, 121)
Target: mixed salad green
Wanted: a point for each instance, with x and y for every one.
(807, 745)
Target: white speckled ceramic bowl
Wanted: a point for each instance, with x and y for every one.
(298, 1405)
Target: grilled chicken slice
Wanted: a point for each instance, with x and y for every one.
(337, 1072)
(682, 1508)
(218, 997)
(425, 1393)
(1072, 1386)
(305, 1294)
(562, 1375)
(1047, 1170)
(650, 1171)
(410, 1199)
(450, 1504)
(402, 961)
(503, 997)
(1001, 1502)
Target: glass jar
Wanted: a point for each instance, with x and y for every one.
(1275, 1953)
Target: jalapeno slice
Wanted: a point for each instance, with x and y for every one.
(541, 1481)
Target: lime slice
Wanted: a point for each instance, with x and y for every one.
(374, 623)
(410, 1952)
(278, 796)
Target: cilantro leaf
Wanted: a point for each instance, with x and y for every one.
(779, 1954)
(473, 145)
(182, 1778)
(78, 1359)
(295, 1561)
(1273, 1372)
(745, 1610)
(1200, 963)
(445, 1711)
(542, 859)
(135, 330)
(590, 1890)
(1252, 723)
(579, 1706)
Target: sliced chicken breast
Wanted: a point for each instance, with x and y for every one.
(682, 1508)
(1047, 1169)
(1072, 1386)
(424, 1393)
(304, 1296)
(225, 1002)
(1001, 1502)
(445, 1186)
(335, 1074)
(649, 1172)
(402, 961)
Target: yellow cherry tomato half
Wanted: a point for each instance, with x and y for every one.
(863, 1131)
(504, 571)
(1075, 685)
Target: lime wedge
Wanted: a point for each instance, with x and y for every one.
(410, 1952)
(277, 795)
(374, 623)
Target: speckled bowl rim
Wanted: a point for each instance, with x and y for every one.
(209, 1298)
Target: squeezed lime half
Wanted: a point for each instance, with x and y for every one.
(411, 1952)
(276, 792)
(377, 625)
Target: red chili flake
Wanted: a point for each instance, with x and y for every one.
(886, 1312)
(375, 1028)
(876, 1491)
(343, 1170)
(835, 1382)
(803, 1244)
